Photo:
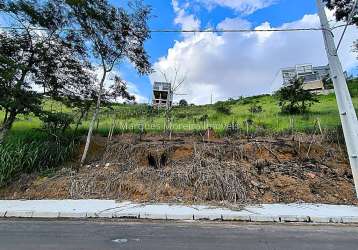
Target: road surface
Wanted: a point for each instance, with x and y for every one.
(37, 235)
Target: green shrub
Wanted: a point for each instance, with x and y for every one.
(223, 108)
(255, 109)
(203, 118)
(180, 115)
(56, 122)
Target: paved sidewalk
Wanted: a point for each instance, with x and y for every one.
(316, 213)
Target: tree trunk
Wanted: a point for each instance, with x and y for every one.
(94, 118)
(4, 130)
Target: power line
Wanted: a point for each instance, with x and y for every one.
(194, 30)
(350, 16)
(234, 30)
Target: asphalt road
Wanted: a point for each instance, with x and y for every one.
(20, 234)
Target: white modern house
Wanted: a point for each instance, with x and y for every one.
(162, 95)
(313, 76)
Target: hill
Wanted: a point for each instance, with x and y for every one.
(229, 116)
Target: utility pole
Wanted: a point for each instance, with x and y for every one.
(345, 106)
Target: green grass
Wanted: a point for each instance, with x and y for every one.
(32, 151)
(130, 118)
(190, 118)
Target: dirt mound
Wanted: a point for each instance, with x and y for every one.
(187, 169)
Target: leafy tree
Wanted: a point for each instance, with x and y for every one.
(87, 29)
(294, 99)
(30, 62)
(33, 60)
(183, 103)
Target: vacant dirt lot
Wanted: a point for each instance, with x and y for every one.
(298, 168)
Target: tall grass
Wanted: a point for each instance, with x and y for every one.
(25, 152)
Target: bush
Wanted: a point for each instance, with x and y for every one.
(293, 99)
(249, 122)
(180, 115)
(56, 122)
(223, 108)
(255, 109)
(203, 118)
(183, 103)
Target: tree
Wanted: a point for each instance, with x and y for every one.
(32, 60)
(294, 99)
(96, 29)
(112, 34)
(176, 80)
(344, 12)
(183, 103)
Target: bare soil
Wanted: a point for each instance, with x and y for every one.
(188, 169)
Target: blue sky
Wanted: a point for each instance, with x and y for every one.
(172, 49)
(231, 65)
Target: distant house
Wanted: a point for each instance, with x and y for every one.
(162, 95)
(313, 76)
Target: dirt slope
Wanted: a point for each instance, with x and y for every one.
(188, 169)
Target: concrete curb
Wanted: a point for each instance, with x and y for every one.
(193, 217)
(87, 209)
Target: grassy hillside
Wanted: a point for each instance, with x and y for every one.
(29, 149)
(194, 118)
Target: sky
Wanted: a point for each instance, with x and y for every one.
(231, 65)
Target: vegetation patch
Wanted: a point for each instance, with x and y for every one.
(25, 153)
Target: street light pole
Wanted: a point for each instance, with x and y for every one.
(345, 106)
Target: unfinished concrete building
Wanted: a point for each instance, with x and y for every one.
(162, 95)
(312, 76)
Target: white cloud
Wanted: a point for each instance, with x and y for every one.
(186, 21)
(242, 6)
(133, 90)
(231, 65)
(131, 87)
